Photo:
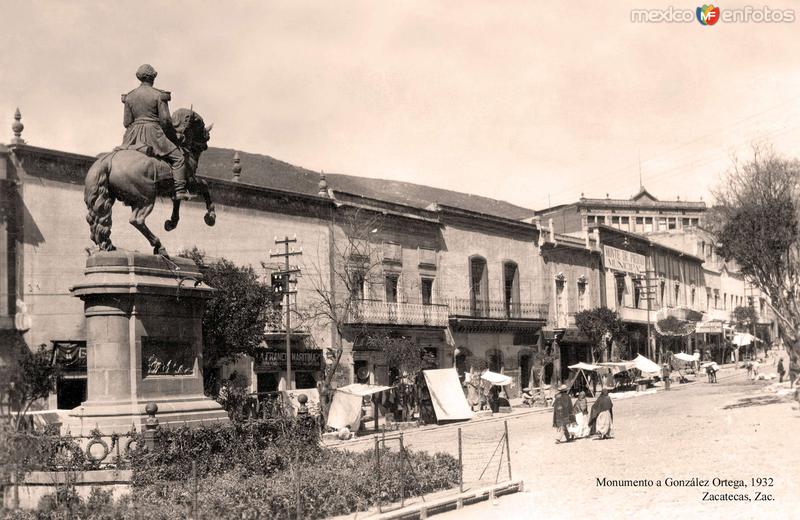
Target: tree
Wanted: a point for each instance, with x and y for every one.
(402, 354)
(236, 316)
(343, 276)
(33, 379)
(599, 325)
(744, 317)
(756, 223)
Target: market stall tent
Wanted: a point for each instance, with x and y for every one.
(346, 405)
(447, 396)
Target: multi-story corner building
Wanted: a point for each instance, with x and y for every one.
(573, 267)
(642, 277)
(642, 213)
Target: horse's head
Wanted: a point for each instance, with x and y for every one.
(190, 125)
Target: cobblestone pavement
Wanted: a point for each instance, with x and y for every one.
(732, 430)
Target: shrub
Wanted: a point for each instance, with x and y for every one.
(260, 447)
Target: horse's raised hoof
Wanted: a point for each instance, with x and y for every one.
(170, 225)
(210, 219)
(160, 250)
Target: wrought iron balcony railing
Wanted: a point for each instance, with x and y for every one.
(491, 309)
(388, 313)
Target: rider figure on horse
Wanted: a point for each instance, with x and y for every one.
(149, 128)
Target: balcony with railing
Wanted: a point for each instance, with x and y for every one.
(498, 310)
(374, 312)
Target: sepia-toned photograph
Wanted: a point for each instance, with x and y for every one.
(361, 260)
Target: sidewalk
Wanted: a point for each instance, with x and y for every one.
(725, 372)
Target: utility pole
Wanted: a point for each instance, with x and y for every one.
(285, 275)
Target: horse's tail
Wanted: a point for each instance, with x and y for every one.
(99, 200)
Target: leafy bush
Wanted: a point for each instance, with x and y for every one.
(252, 447)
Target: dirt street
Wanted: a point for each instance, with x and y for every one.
(732, 431)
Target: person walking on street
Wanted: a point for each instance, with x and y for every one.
(602, 416)
(781, 371)
(665, 375)
(581, 410)
(563, 416)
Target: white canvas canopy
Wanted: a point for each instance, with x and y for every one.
(495, 378)
(619, 366)
(447, 396)
(645, 365)
(584, 366)
(361, 389)
(742, 339)
(683, 356)
(346, 405)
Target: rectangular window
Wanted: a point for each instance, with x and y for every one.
(620, 289)
(672, 223)
(426, 287)
(637, 292)
(357, 285)
(601, 219)
(639, 224)
(648, 224)
(615, 221)
(591, 220)
(581, 296)
(625, 223)
(686, 222)
(391, 288)
(662, 223)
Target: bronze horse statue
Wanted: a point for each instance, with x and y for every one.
(135, 179)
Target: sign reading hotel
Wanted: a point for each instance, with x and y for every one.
(621, 260)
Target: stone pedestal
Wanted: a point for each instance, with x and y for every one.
(144, 343)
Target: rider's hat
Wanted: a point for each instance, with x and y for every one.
(146, 71)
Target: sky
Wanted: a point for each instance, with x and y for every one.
(531, 102)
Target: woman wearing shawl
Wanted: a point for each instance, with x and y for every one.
(581, 410)
(563, 416)
(602, 416)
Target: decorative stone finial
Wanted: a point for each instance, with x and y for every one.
(17, 127)
(237, 167)
(323, 185)
(303, 409)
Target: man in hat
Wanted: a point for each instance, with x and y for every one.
(149, 128)
(666, 371)
(563, 414)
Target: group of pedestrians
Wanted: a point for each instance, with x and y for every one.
(577, 416)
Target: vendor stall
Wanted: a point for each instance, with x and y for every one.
(346, 407)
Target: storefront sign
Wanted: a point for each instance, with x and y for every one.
(276, 359)
(621, 260)
(70, 355)
(709, 328)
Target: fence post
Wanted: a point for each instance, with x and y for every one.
(378, 473)
(402, 473)
(508, 450)
(15, 498)
(151, 425)
(195, 515)
(460, 464)
(298, 502)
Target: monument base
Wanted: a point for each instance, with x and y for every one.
(120, 417)
(143, 344)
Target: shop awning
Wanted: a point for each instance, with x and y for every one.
(495, 378)
(361, 389)
(583, 366)
(742, 339)
(646, 365)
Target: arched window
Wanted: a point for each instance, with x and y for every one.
(494, 358)
(478, 287)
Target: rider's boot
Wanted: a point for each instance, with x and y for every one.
(179, 174)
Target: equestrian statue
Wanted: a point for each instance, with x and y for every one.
(159, 156)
